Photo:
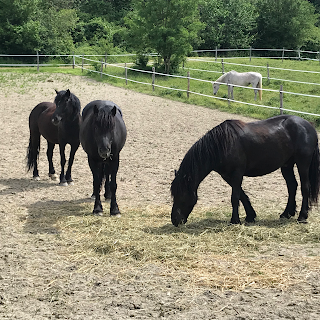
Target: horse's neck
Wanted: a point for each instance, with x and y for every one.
(200, 169)
(223, 78)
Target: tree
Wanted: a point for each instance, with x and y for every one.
(286, 23)
(168, 27)
(19, 28)
(229, 23)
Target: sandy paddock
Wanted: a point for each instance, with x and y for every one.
(160, 132)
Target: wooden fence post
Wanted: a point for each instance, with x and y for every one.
(188, 84)
(216, 53)
(229, 91)
(153, 77)
(282, 53)
(222, 64)
(82, 63)
(250, 53)
(126, 73)
(268, 73)
(105, 60)
(281, 99)
(38, 61)
(101, 68)
(299, 54)
(73, 60)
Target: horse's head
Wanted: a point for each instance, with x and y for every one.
(215, 87)
(63, 106)
(184, 199)
(104, 128)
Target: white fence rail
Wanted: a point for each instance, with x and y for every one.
(86, 63)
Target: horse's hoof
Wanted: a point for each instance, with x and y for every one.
(235, 221)
(118, 215)
(63, 184)
(285, 216)
(70, 183)
(302, 220)
(97, 213)
(53, 176)
(37, 178)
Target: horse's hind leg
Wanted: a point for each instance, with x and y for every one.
(74, 148)
(303, 170)
(288, 174)
(52, 172)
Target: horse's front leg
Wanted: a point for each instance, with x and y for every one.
(73, 150)
(63, 181)
(235, 182)
(250, 213)
(114, 209)
(97, 174)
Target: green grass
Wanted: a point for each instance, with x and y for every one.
(293, 102)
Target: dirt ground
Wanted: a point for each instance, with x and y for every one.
(159, 134)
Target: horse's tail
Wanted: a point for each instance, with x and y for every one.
(260, 86)
(34, 140)
(314, 176)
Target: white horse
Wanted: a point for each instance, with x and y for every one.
(240, 79)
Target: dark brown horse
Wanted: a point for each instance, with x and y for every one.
(235, 149)
(58, 123)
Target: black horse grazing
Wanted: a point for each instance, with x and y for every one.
(58, 123)
(103, 134)
(235, 149)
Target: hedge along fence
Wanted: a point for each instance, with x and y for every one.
(188, 79)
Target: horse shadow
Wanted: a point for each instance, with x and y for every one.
(15, 185)
(44, 216)
(215, 226)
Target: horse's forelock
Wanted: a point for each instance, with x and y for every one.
(104, 119)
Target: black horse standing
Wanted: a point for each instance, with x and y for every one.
(103, 134)
(58, 123)
(235, 149)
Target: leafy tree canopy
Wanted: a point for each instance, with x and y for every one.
(168, 27)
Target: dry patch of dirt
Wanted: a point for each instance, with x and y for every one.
(37, 278)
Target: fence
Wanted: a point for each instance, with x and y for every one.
(81, 61)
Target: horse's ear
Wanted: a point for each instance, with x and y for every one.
(56, 91)
(95, 109)
(113, 111)
(175, 172)
(68, 93)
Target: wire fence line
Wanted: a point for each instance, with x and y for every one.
(86, 64)
(188, 91)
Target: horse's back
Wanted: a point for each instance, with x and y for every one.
(272, 143)
(40, 121)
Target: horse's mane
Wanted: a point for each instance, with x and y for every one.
(104, 119)
(214, 146)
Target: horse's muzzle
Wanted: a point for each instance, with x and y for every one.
(105, 153)
(56, 120)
